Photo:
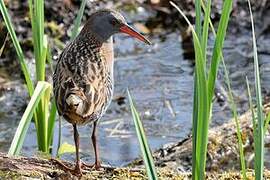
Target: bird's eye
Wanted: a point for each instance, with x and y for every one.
(113, 22)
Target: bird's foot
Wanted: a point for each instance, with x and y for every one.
(77, 171)
(96, 165)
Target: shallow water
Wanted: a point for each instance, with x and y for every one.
(157, 82)
(160, 81)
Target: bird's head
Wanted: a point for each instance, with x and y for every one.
(105, 23)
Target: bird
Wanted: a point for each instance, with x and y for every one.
(83, 81)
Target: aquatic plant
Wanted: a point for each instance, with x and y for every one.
(204, 80)
(232, 105)
(145, 149)
(200, 122)
(41, 105)
(259, 120)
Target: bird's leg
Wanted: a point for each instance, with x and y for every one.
(77, 170)
(97, 164)
(77, 144)
(94, 141)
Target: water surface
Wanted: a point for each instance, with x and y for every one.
(160, 81)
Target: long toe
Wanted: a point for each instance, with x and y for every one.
(95, 166)
(77, 171)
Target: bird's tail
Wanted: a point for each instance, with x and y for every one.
(76, 103)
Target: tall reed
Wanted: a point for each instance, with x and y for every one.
(43, 120)
(44, 112)
(204, 80)
(42, 90)
(232, 105)
(259, 119)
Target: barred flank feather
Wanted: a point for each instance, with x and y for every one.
(83, 82)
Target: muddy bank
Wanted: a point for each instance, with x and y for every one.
(173, 161)
(26, 167)
(38, 168)
(222, 154)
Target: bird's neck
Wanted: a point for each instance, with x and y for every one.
(95, 34)
(107, 52)
(105, 48)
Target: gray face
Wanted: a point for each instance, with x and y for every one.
(105, 23)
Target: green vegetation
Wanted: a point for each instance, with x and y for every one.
(145, 149)
(260, 122)
(17, 46)
(204, 80)
(235, 116)
(78, 20)
(200, 122)
(232, 105)
(43, 90)
(45, 112)
(42, 107)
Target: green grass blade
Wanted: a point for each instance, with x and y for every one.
(19, 137)
(78, 20)
(17, 46)
(194, 126)
(235, 116)
(205, 28)
(42, 68)
(232, 104)
(53, 110)
(43, 121)
(40, 43)
(34, 25)
(198, 29)
(254, 123)
(198, 21)
(221, 32)
(51, 122)
(259, 151)
(145, 149)
(203, 111)
(202, 122)
(43, 107)
(45, 118)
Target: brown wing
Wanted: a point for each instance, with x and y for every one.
(80, 86)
